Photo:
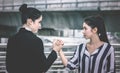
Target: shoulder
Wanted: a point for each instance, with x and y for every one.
(109, 47)
(34, 39)
(82, 45)
(12, 38)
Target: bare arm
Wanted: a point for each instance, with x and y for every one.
(57, 46)
(63, 58)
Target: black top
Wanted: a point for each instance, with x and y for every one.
(25, 54)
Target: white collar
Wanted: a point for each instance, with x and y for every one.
(27, 28)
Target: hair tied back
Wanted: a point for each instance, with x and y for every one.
(23, 8)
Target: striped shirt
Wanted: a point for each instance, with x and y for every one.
(100, 61)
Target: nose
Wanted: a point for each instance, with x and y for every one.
(82, 31)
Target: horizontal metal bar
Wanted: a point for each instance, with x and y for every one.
(61, 3)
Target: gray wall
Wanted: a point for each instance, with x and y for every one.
(61, 20)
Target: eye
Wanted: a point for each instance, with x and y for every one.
(85, 28)
(40, 21)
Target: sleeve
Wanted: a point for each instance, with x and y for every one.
(10, 63)
(111, 62)
(73, 62)
(9, 55)
(49, 61)
(46, 62)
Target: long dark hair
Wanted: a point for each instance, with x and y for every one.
(27, 13)
(98, 22)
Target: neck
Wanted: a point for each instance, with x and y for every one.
(27, 27)
(95, 40)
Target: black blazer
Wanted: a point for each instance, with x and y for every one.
(25, 54)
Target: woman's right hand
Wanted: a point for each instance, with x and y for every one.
(57, 45)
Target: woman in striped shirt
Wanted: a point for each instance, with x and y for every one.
(96, 56)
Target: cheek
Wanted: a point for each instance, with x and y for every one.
(39, 26)
(36, 25)
(88, 33)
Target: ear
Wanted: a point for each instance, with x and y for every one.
(94, 30)
(29, 21)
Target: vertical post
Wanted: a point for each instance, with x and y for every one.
(13, 5)
(3, 6)
(61, 3)
(76, 3)
(34, 4)
(98, 7)
(46, 4)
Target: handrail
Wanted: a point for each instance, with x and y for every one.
(77, 4)
(4, 45)
(57, 65)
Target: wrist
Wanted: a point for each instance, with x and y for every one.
(60, 51)
(55, 50)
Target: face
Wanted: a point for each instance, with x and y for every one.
(87, 31)
(36, 25)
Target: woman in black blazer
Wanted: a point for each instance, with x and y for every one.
(25, 51)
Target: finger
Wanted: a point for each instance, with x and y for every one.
(62, 43)
(57, 42)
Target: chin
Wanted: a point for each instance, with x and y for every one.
(86, 37)
(35, 32)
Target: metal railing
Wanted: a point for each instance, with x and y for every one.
(60, 5)
(57, 66)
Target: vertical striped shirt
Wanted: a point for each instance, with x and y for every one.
(100, 61)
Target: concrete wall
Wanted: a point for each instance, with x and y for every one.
(62, 20)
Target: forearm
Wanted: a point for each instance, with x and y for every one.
(50, 60)
(63, 58)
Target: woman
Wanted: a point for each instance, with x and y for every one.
(25, 51)
(96, 56)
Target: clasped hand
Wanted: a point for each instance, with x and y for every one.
(57, 45)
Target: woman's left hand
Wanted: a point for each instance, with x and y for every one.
(57, 45)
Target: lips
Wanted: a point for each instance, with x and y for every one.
(84, 35)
